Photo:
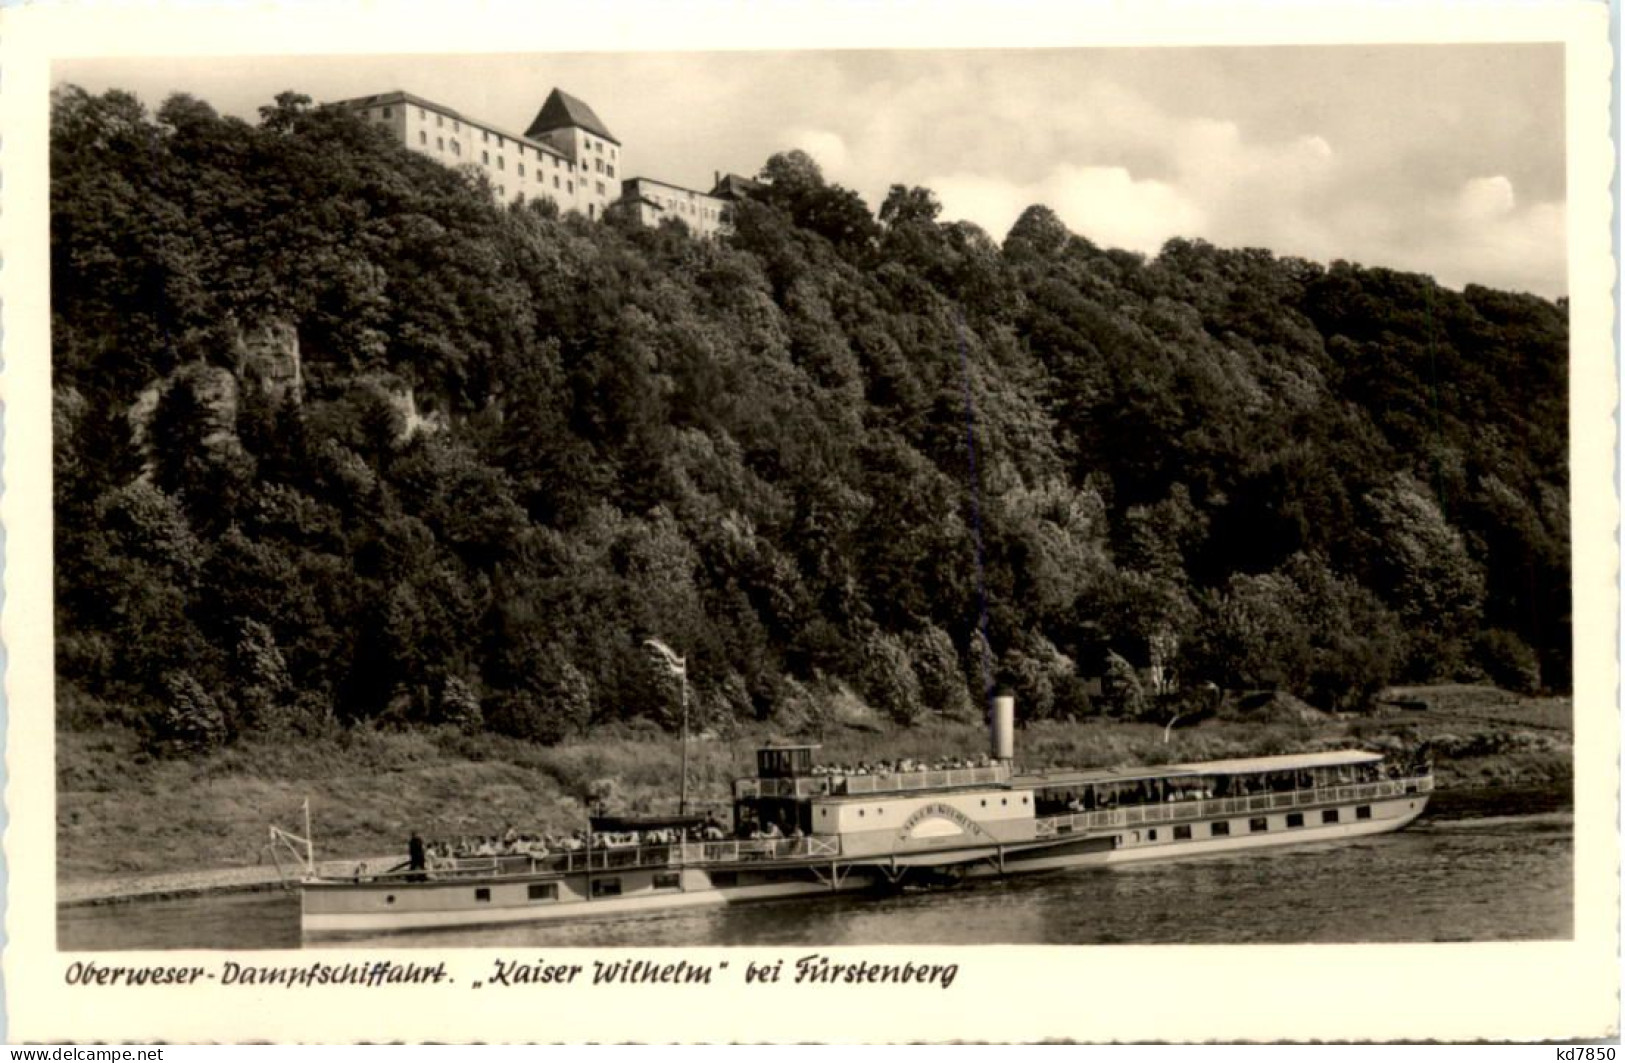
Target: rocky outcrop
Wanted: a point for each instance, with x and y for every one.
(267, 358)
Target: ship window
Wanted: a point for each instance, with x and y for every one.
(389, 899)
(1294, 819)
(1004, 800)
(724, 879)
(1182, 833)
(1363, 812)
(482, 894)
(544, 891)
(1329, 815)
(984, 802)
(1258, 824)
(1151, 835)
(606, 887)
(666, 880)
(1218, 830)
(860, 812)
(1023, 800)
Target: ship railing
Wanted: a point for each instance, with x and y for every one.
(931, 779)
(1178, 811)
(888, 782)
(618, 859)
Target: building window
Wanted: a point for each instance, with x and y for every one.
(1258, 824)
(422, 114)
(423, 138)
(1294, 819)
(386, 112)
(599, 163)
(667, 880)
(606, 887)
(1182, 833)
(1362, 812)
(1218, 830)
(485, 157)
(499, 140)
(502, 162)
(570, 187)
(483, 894)
(521, 151)
(611, 171)
(1328, 815)
(440, 143)
(439, 120)
(521, 169)
(544, 891)
(456, 148)
(1151, 835)
(555, 180)
(724, 879)
(612, 153)
(456, 126)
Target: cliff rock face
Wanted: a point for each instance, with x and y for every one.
(265, 358)
(268, 359)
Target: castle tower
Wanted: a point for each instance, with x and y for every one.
(570, 127)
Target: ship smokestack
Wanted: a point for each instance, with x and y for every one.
(1003, 726)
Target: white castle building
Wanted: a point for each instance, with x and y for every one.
(567, 155)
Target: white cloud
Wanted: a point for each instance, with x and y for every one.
(827, 149)
(1103, 203)
(1483, 198)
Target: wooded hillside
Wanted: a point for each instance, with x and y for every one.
(339, 439)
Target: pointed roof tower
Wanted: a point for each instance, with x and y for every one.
(563, 110)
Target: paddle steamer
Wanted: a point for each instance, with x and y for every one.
(801, 828)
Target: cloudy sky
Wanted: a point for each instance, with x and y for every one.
(1445, 159)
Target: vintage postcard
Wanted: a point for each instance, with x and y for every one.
(816, 522)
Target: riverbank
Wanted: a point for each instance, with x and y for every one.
(132, 825)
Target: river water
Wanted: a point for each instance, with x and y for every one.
(1479, 866)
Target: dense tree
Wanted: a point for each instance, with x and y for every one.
(494, 449)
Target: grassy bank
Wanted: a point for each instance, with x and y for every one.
(122, 812)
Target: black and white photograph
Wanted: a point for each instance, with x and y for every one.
(686, 518)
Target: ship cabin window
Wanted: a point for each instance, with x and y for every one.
(1258, 824)
(1328, 815)
(606, 887)
(1182, 833)
(1218, 830)
(1294, 819)
(724, 879)
(784, 762)
(1151, 835)
(667, 880)
(1362, 812)
(543, 891)
(483, 894)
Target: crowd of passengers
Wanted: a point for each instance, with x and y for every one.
(513, 842)
(906, 764)
(1158, 791)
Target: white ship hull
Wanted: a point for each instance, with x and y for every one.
(345, 909)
